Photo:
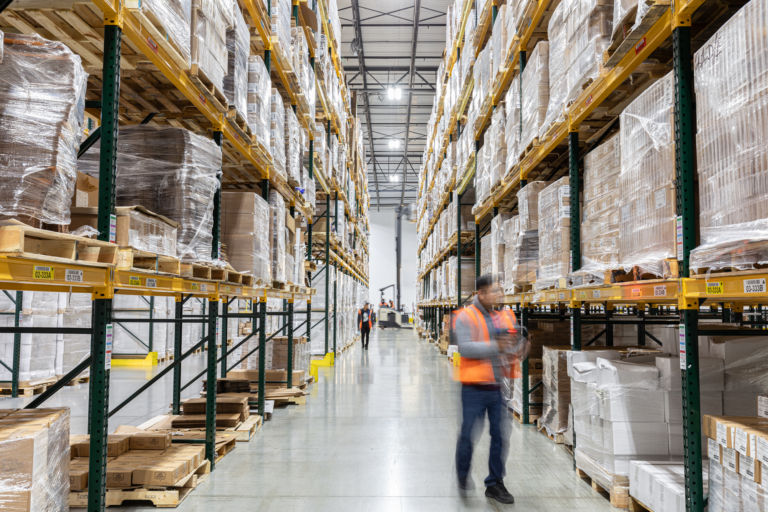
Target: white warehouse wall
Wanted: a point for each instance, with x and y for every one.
(382, 265)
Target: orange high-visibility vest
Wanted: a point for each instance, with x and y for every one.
(479, 371)
(360, 313)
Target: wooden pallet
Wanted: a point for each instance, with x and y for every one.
(557, 438)
(516, 288)
(18, 240)
(670, 269)
(208, 91)
(618, 496)
(129, 258)
(79, 380)
(229, 276)
(195, 270)
(27, 388)
(278, 285)
(636, 506)
(635, 38)
(161, 497)
(533, 145)
(246, 430)
(519, 417)
(239, 123)
(297, 400)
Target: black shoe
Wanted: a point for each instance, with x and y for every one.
(466, 485)
(499, 493)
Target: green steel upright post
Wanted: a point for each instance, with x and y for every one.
(268, 53)
(210, 395)
(335, 318)
(177, 333)
(290, 343)
(458, 251)
(16, 346)
(327, 258)
(216, 231)
(151, 341)
(225, 335)
(311, 174)
(477, 251)
(494, 12)
(525, 312)
(101, 319)
(575, 186)
(262, 351)
(685, 151)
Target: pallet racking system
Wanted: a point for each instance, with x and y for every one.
(117, 27)
(684, 299)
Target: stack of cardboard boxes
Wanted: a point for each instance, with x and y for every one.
(554, 234)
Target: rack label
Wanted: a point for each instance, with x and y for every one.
(595, 294)
(660, 291)
(112, 228)
(151, 282)
(754, 285)
(194, 286)
(134, 281)
(571, 332)
(562, 295)
(636, 292)
(203, 287)
(73, 276)
(239, 291)
(41, 272)
(639, 46)
(682, 347)
(108, 349)
(715, 288)
(679, 235)
(582, 295)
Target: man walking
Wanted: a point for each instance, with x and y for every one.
(364, 323)
(488, 354)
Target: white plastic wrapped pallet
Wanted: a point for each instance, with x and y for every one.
(259, 100)
(277, 134)
(208, 47)
(554, 233)
(238, 51)
(277, 235)
(245, 232)
(588, 35)
(38, 351)
(535, 94)
(558, 49)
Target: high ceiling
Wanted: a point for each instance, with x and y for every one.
(395, 35)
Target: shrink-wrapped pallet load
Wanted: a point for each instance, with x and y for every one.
(172, 172)
(497, 147)
(499, 35)
(498, 243)
(37, 356)
(512, 124)
(600, 218)
(647, 207)
(245, 232)
(525, 252)
(277, 134)
(293, 150)
(35, 451)
(482, 176)
(277, 235)
(511, 232)
(535, 99)
(259, 100)
(208, 47)
(558, 50)
(238, 53)
(730, 143)
(42, 104)
(554, 234)
(74, 310)
(588, 31)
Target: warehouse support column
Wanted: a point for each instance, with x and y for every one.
(458, 250)
(210, 394)
(290, 344)
(262, 351)
(336, 271)
(525, 384)
(685, 151)
(575, 263)
(225, 334)
(327, 260)
(16, 346)
(177, 328)
(477, 251)
(101, 319)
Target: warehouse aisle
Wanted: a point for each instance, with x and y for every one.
(380, 436)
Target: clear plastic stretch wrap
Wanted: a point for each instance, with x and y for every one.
(238, 52)
(173, 15)
(37, 357)
(498, 243)
(499, 35)
(646, 184)
(281, 25)
(35, 451)
(498, 147)
(511, 229)
(554, 233)
(661, 484)
(293, 149)
(308, 185)
(277, 235)
(624, 15)
(245, 231)
(42, 104)
(74, 310)
(320, 147)
(600, 218)
(210, 20)
(526, 248)
(731, 118)
(558, 49)
(259, 100)
(486, 248)
(512, 126)
(588, 28)
(535, 79)
(277, 134)
(171, 172)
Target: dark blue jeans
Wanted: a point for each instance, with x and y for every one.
(475, 402)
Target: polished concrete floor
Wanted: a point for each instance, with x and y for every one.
(378, 433)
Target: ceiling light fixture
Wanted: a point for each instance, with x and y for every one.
(398, 93)
(394, 144)
(391, 93)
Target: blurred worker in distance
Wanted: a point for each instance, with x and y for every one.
(490, 348)
(392, 304)
(364, 323)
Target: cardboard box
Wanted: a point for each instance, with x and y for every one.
(762, 406)
(86, 191)
(119, 474)
(78, 478)
(150, 441)
(165, 473)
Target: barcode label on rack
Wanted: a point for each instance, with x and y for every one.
(108, 349)
(194, 286)
(715, 288)
(595, 294)
(660, 291)
(112, 228)
(754, 286)
(151, 283)
(239, 291)
(636, 292)
(682, 347)
(203, 287)
(40, 272)
(134, 281)
(73, 276)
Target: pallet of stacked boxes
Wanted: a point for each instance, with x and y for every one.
(556, 31)
(535, 97)
(34, 447)
(235, 84)
(245, 232)
(208, 48)
(498, 245)
(277, 135)
(259, 104)
(512, 126)
(554, 235)
(277, 238)
(525, 252)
